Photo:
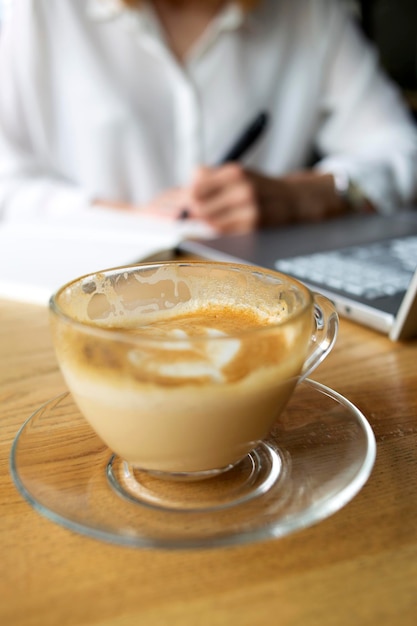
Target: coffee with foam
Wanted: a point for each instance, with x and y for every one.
(180, 369)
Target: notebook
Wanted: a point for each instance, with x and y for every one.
(36, 259)
(367, 265)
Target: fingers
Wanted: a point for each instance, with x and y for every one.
(171, 204)
(225, 198)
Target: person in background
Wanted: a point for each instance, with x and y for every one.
(127, 107)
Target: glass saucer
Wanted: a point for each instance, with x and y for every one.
(319, 455)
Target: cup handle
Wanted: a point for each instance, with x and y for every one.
(327, 324)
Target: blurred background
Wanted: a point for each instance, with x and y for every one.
(392, 26)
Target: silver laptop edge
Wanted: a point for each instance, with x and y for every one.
(396, 327)
(404, 324)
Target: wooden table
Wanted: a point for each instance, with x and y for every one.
(357, 567)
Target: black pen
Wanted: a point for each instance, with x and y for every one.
(244, 142)
(247, 139)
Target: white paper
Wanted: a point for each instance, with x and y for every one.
(36, 259)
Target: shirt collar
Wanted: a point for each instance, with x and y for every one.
(104, 9)
(145, 22)
(142, 21)
(230, 18)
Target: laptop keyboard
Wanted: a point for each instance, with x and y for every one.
(369, 271)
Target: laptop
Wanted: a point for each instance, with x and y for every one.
(366, 264)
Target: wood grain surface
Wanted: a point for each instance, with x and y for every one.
(357, 567)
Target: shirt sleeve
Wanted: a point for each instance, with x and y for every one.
(366, 131)
(29, 187)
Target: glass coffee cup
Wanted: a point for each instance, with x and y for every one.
(182, 368)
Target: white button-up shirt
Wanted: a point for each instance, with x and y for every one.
(94, 105)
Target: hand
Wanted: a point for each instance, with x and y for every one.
(168, 205)
(299, 197)
(234, 200)
(225, 198)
